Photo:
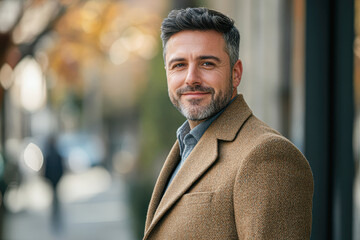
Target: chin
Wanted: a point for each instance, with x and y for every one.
(198, 114)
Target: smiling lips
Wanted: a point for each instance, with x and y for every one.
(195, 94)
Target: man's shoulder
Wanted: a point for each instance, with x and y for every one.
(255, 135)
(256, 130)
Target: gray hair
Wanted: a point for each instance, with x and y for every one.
(202, 19)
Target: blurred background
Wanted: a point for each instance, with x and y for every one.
(86, 124)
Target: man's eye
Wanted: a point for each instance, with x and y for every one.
(209, 64)
(179, 65)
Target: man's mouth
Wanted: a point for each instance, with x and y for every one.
(194, 94)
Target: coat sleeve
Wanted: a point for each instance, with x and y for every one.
(273, 192)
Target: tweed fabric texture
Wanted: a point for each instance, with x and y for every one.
(243, 180)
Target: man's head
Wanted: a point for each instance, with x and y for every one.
(202, 74)
(202, 19)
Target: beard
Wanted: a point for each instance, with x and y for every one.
(193, 110)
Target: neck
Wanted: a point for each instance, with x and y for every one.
(194, 123)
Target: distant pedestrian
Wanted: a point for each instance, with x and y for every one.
(54, 170)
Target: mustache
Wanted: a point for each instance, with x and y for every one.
(196, 88)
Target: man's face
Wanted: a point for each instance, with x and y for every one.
(200, 79)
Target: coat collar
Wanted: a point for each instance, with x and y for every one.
(224, 128)
(230, 121)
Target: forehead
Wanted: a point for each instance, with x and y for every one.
(194, 43)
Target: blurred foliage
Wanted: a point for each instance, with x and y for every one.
(108, 41)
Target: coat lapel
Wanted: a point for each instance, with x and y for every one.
(200, 159)
(170, 163)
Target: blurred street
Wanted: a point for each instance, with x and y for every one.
(86, 122)
(104, 216)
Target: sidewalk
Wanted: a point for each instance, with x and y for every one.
(104, 216)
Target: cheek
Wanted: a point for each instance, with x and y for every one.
(174, 82)
(217, 81)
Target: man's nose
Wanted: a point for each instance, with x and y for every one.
(193, 76)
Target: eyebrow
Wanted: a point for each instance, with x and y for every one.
(205, 57)
(209, 57)
(175, 60)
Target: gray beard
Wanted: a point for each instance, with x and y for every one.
(194, 111)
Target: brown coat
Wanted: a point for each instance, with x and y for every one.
(243, 180)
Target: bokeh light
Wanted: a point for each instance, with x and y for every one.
(30, 87)
(33, 157)
(6, 76)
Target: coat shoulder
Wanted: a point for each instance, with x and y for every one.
(257, 134)
(256, 142)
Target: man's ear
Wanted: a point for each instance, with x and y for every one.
(237, 73)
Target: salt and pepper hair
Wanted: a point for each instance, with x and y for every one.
(202, 19)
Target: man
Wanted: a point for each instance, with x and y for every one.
(229, 175)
